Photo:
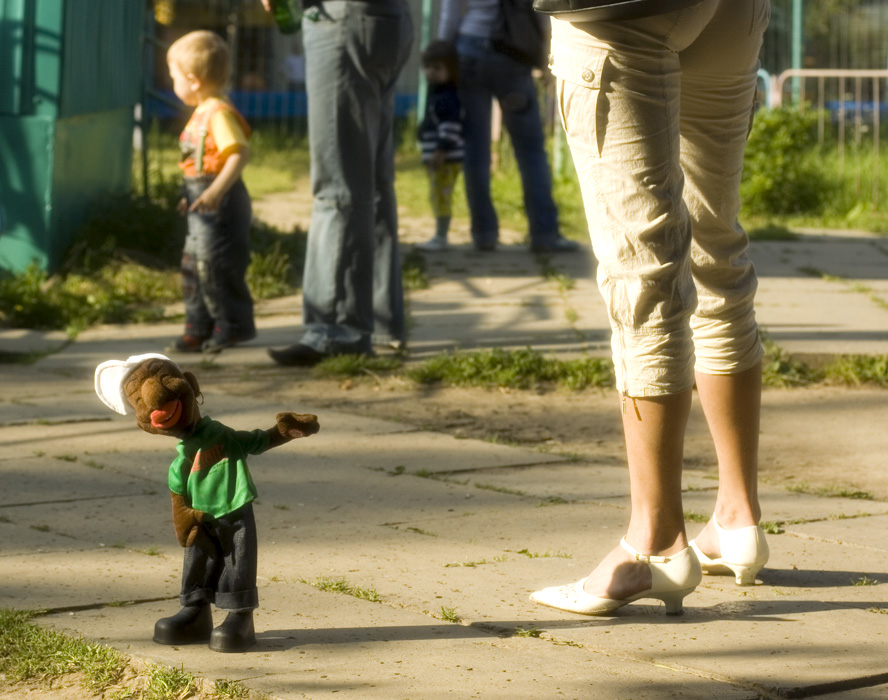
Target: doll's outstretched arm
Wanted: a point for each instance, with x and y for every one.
(291, 426)
(186, 520)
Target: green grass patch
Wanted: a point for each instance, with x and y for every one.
(864, 581)
(449, 614)
(356, 366)
(414, 272)
(28, 651)
(771, 232)
(780, 370)
(520, 369)
(831, 491)
(341, 585)
(229, 690)
(771, 527)
(168, 683)
(533, 632)
(855, 370)
(691, 516)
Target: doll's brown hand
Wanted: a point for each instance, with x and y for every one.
(186, 521)
(297, 425)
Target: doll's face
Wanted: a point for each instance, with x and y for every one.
(164, 398)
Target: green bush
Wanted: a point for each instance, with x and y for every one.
(781, 171)
(129, 228)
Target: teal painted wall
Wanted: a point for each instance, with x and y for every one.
(70, 73)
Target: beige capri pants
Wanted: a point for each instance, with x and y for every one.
(657, 112)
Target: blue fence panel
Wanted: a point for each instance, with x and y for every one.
(257, 105)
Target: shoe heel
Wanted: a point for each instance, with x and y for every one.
(673, 600)
(744, 575)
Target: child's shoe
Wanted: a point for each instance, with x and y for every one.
(218, 343)
(433, 245)
(187, 343)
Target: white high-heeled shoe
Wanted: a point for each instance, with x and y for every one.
(744, 552)
(672, 578)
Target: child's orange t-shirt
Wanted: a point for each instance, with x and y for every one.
(215, 130)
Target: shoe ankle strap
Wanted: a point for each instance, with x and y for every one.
(646, 558)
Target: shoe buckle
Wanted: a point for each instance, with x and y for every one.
(651, 558)
(646, 558)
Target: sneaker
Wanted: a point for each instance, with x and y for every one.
(218, 343)
(187, 343)
(433, 245)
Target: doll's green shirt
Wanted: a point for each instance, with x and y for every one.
(211, 467)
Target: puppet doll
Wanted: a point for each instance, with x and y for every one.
(212, 494)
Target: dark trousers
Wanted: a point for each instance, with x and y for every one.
(214, 267)
(220, 567)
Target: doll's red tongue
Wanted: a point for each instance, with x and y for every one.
(167, 415)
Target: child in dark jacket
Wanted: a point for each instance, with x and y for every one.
(441, 135)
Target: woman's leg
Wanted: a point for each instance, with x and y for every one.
(715, 120)
(732, 406)
(620, 92)
(654, 429)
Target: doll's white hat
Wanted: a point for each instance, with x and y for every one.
(112, 375)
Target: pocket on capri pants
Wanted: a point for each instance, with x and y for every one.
(580, 94)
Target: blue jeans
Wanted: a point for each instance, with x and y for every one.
(221, 566)
(486, 74)
(351, 288)
(214, 267)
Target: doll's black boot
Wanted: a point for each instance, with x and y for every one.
(235, 634)
(193, 624)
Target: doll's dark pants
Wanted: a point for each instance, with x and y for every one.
(220, 567)
(214, 267)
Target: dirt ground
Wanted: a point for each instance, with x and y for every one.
(823, 437)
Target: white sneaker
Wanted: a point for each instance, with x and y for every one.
(433, 245)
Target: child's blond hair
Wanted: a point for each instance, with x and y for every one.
(204, 55)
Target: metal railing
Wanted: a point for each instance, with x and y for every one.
(850, 99)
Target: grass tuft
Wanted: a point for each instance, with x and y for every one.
(229, 690)
(450, 614)
(519, 369)
(341, 585)
(168, 683)
(29, 651)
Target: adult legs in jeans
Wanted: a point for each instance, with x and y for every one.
(728, 369)
(484, 75)
(354, 52)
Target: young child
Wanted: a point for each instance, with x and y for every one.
(440, 135)
(215, 149)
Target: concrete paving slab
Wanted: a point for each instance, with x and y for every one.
(808, 317)
(318, 645)
(86, 576)
(780, 505)
(134, 522)
(30, 536)
(23, 341)
(39, 480)
(868, 532)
